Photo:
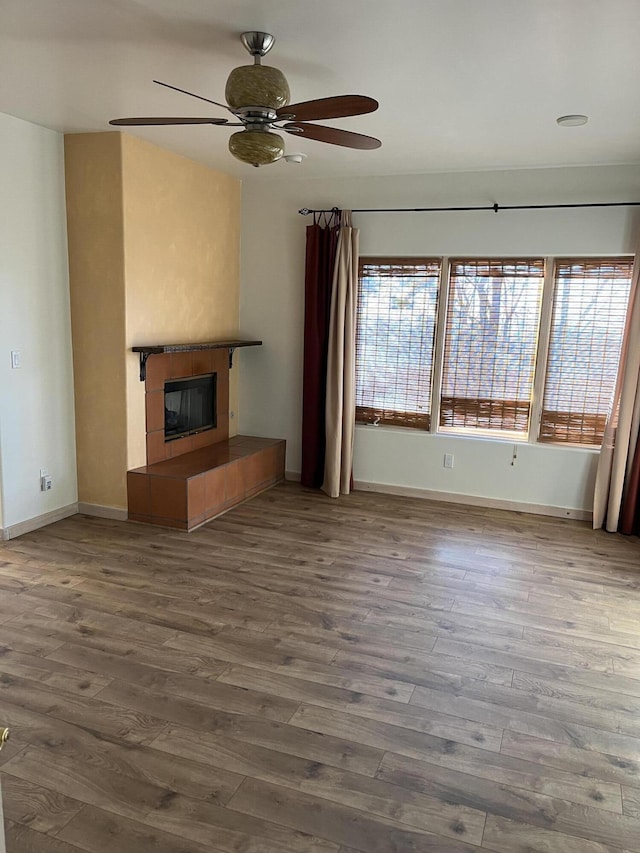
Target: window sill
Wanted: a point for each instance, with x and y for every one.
(466, 436)
(492, 435)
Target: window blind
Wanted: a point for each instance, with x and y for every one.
(396, 322)
(589, 312)
(491, 337)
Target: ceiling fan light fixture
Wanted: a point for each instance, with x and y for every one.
(256, 147)
(252, 85)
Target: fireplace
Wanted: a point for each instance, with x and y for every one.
(194, 471)
(189, 406)
(187, 402)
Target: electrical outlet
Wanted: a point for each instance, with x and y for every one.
(46, 483)
(448, 460)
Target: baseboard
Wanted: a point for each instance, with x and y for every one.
(39, 521)
(100, 511)
(292, 476)
(474, 500)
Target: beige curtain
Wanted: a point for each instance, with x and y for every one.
(341, 365)
(621, 431)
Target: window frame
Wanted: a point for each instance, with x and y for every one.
(438, 344)
(541, 354)
(393, 260)
(559, 259)
(500, 435)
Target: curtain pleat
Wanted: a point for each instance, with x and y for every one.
(614, 478)
(340, 410)
(322, 241)
(630, 519)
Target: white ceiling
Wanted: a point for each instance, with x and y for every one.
(462, 84)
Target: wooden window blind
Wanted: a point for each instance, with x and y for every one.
(396, 322)
(491, 337)
(589, 313)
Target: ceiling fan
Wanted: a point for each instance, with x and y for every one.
(258, 97)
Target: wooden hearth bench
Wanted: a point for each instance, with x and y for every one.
(187, 490)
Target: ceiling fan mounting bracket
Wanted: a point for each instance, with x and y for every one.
(258, 44)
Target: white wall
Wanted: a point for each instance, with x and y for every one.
(272, 307)
(36, 401)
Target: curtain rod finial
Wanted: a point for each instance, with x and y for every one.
(304, 211)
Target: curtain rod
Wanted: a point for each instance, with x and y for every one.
(305, 211)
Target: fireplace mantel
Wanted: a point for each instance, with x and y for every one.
(156, 349)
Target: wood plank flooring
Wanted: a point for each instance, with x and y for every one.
(370, 675)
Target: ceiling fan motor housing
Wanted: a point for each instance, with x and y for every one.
(257, 85)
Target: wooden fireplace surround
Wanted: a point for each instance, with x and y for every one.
(190, 480)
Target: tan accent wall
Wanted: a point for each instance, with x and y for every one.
(182, 263)
(93, 176)
(154, 244)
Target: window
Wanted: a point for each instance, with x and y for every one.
(490, 344)
(396, 321)
(589, 311)
(518, 338)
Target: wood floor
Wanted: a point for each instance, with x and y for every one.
(374, 674)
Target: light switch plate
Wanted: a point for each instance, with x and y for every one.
(16, 358)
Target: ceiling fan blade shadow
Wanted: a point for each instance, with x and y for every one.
(332, 135)
(339, 106)
(193, 95)
(153, 120)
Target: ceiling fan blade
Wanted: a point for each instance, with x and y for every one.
(193, 95)
(332, 135)
(133, 122)
(339, 107)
